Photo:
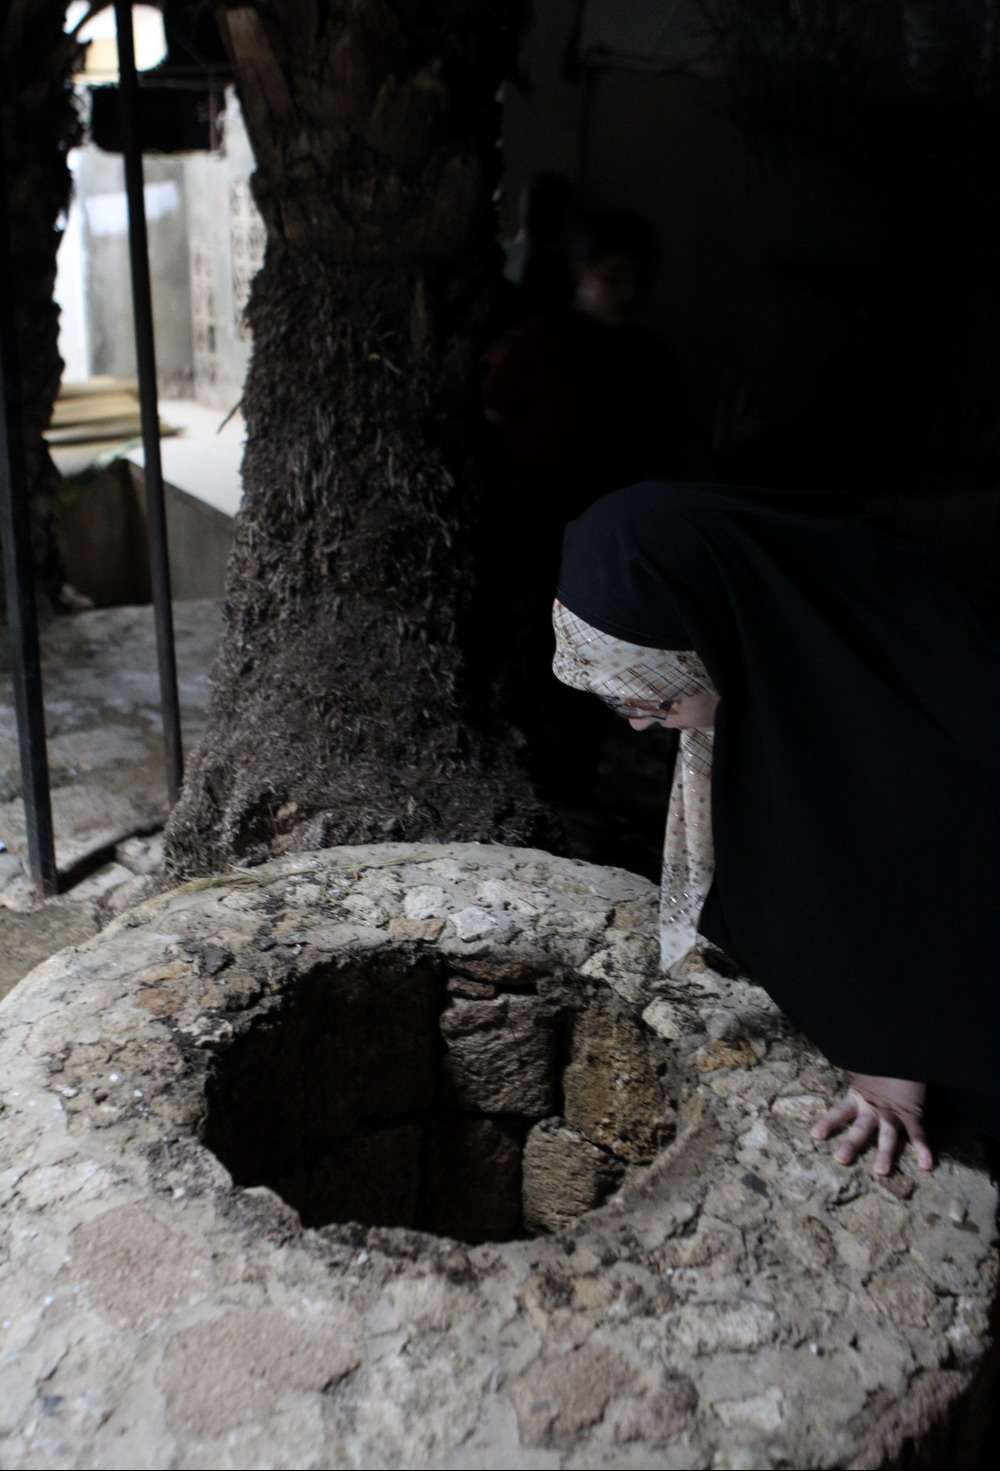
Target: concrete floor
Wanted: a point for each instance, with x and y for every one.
(107, 772)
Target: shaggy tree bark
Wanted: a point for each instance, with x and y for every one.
(40, 124)
(351, 700)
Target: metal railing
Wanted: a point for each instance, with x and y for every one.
(15, 528)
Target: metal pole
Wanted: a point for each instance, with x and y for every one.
(19, 584)
(142, 308)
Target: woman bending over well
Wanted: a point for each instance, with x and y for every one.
(837, 796)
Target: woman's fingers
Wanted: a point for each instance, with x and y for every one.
(865, 1121)
(835, 1118)
(923, 1151)
(856, 1137)
(888, 1138)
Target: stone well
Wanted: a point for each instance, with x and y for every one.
(408, 1157)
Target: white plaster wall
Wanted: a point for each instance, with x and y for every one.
(225, 244)
(107, 280)
(69, 291)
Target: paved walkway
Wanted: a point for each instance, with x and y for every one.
(108, 780)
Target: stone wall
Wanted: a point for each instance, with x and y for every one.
(738, 1300)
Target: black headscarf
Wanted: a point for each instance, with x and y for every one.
(856, 785)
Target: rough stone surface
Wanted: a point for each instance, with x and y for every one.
(742, 1302)
(102, 706)
(565, 1174)
(107, 770)
(31, 934)
(612, 1091)
(500, 1055)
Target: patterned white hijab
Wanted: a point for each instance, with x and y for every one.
(621, 674)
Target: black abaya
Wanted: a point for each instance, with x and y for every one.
(856, 786)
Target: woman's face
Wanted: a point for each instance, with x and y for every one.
(689, 712)
(643, 684)
(606, 288)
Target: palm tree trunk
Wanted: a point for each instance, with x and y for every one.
(40, 124)
(351, 702)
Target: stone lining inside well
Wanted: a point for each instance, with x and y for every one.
(403, 1094)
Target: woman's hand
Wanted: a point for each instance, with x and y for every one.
(890, 1109)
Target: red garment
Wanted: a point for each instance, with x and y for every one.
(532, 395)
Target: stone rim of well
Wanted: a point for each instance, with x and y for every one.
(739, 1248)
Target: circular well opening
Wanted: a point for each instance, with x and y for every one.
(394, 1092)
